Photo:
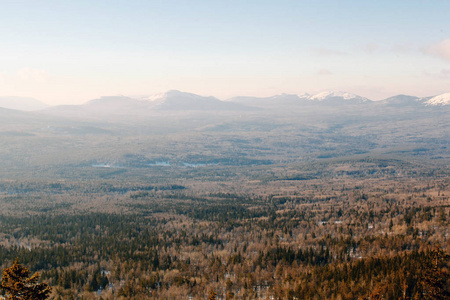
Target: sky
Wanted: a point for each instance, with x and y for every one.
(69, 52)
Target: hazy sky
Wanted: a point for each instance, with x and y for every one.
(64, 52)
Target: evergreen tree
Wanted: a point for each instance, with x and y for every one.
(19, 286)
(212, 295)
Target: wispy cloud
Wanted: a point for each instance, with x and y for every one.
(441, 50)
(328, 52)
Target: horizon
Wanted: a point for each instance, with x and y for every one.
(147, 96)
(73, 52)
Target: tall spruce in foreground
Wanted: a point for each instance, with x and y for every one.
(212, 295)
(19, 286)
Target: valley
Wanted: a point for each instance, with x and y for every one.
(260, 199)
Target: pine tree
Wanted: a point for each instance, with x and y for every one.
(19, 286)
(212, 295)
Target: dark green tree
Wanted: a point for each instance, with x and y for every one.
(18, 284)
(212, 295)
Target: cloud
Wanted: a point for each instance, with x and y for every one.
(32, 75)
(441, 50)
(328, 52)
(324, 72)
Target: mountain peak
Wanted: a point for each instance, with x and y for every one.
(305, 95)
(338, 95)
(175, 94)
(402, 97)
(439, 100)
(175, 100)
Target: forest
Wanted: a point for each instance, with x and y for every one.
(292, 202)
(311, 239)
(225, 150)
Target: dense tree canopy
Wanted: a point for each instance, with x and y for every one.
(322, 240)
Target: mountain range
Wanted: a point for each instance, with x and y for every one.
(177, 101)
(185, 129)
(21, 103)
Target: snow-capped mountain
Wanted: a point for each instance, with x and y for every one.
(338, 97)
(127, 106)
(180, 101)
(439, 100)
(176, 101)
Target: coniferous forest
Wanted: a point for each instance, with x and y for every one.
(340, 239)
(224, 150)
(297, 202)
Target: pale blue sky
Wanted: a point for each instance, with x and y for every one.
(72, 51)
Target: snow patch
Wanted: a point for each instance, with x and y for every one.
(439, 100)
(331, 94)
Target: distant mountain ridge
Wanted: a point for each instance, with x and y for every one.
(21, 103)
(171, 101)
(344, 97)
(439, 100)
(283, 99)
(177, 101)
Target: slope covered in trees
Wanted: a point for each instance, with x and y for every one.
(306, 240)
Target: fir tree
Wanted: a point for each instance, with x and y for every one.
(19, 286)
